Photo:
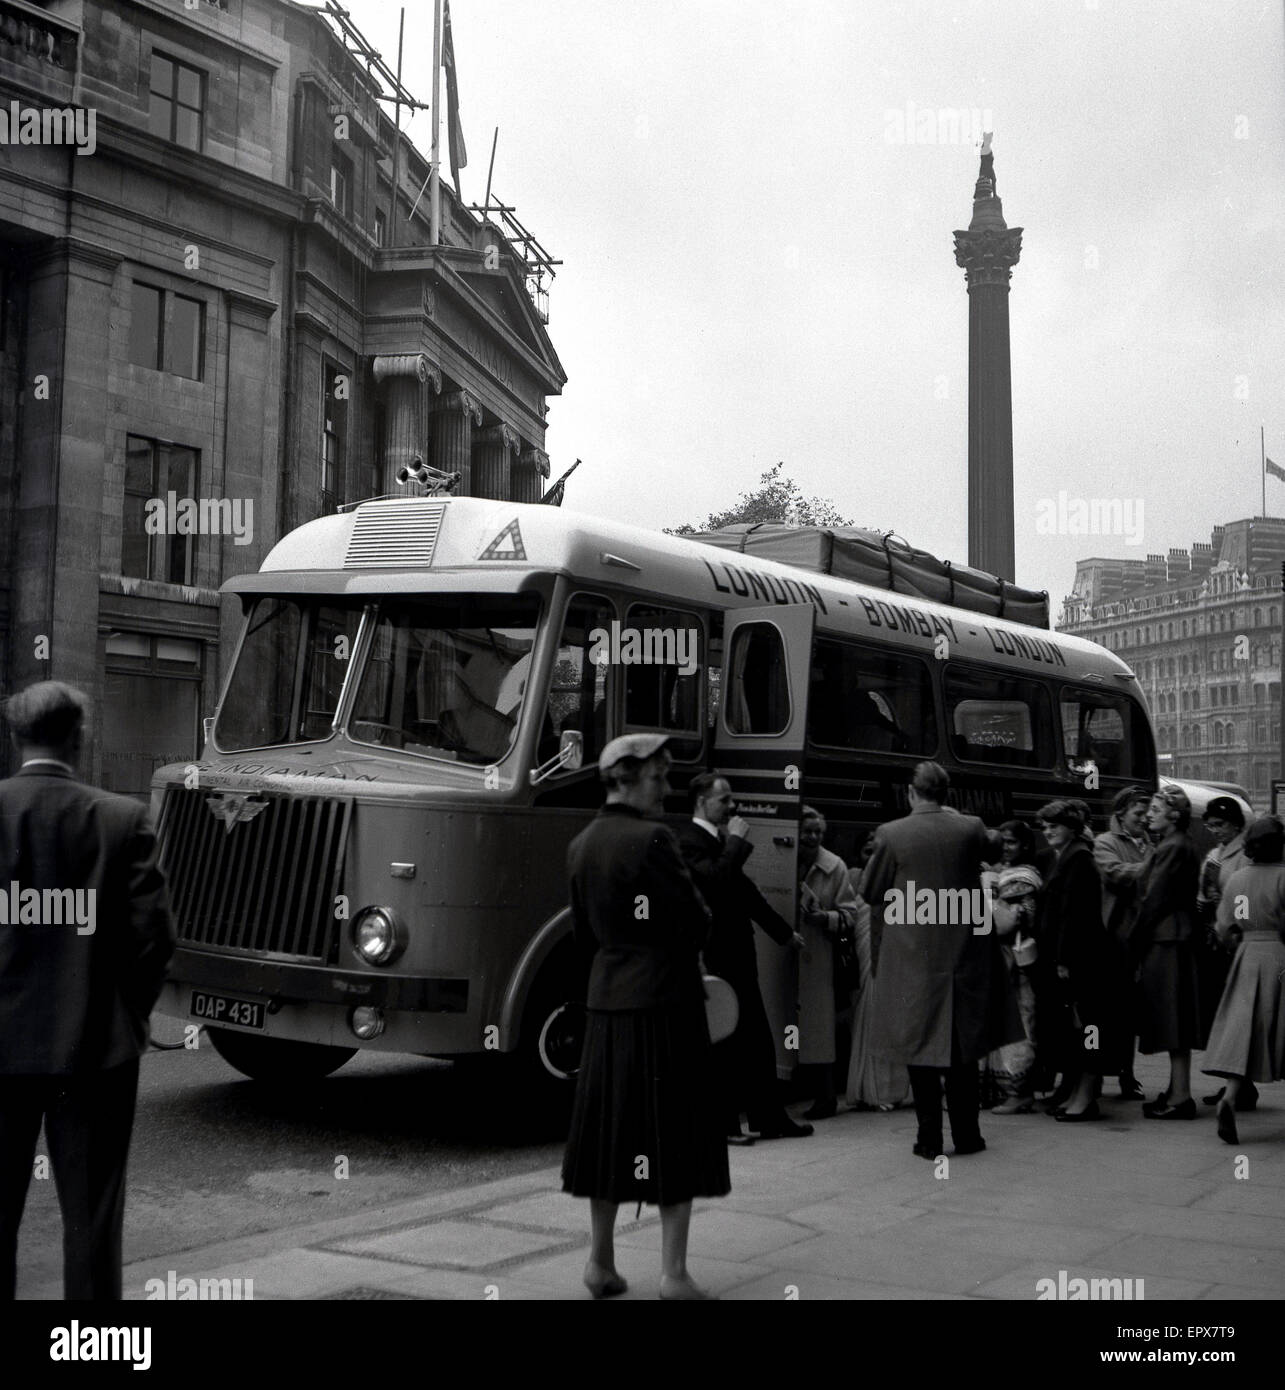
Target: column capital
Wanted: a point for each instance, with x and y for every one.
(987, 255)
(537, 459)
(463, 402)
(412, 364)
(503, 435)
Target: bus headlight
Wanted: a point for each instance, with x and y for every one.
(366, 1022)
(378, 937)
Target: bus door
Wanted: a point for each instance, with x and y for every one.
(759, 745)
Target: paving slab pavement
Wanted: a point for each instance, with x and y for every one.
(849, 1213)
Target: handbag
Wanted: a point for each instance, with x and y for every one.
(722, 1009)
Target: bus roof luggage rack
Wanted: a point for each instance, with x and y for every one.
(884, 561)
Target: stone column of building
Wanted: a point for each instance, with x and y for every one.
(454, 419)
(61, 466)
(401, 379)
(492, 461)
(987, 251)
(528, 474)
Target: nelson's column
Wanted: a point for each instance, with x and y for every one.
(988, 250)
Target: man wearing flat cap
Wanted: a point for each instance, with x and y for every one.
(74, 997)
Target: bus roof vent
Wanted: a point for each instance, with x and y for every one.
(398, 534)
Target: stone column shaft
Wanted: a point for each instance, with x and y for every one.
(402, 379)
(529, 473)
(493, 451)
(452, 444)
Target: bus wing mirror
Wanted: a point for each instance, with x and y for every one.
(572, 750)
(570, 754)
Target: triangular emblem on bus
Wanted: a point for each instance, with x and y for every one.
(507, 545)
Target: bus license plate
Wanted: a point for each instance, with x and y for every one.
(218, 1008)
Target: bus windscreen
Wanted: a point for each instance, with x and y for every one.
(446, 676)
(289, 673)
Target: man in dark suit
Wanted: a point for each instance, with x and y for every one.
(941, 1000)
(81, 965)
(747, 1059)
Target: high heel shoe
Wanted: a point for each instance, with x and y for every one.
(1227, 1123)
(1090, 1112)
(684, 1290)
(603, 1283)
(1185, 1110)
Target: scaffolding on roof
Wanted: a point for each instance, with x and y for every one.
(537, 264)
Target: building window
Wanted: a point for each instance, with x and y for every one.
(1195, 699)
(150, 549)
(334, 434)
(341, 183)
(145, 337)
(177, 102)
(1182, 665)
(1184, 627)
(167, 331)
(1258, 617)
(381, 228)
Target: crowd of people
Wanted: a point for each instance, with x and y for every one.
(1087, 948)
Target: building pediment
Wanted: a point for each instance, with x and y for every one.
(511, 311)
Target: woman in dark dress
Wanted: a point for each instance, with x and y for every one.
(1247, 1040)
(646, 1125)
(1073, 936)
(1162, 942)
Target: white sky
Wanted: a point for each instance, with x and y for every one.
(754, 271)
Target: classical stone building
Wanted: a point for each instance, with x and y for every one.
(1202, 631)
(224, 299)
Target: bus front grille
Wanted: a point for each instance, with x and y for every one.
(255, 873)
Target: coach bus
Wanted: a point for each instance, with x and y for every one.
(369, 853)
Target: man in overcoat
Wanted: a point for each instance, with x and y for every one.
(941, 996)
(80, 970)
(747, 1059)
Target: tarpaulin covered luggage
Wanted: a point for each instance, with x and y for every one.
(884, 561)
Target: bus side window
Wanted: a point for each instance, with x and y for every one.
(578, 689)
(998, 719)
(877, 702)
(757, 698)
(1097, 729)
(660, 650)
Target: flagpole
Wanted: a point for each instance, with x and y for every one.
(435, 189)
(1262, 449)
(397, 135)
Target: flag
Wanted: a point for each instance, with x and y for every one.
(454, 131)
(554, 496)
(1275, 469)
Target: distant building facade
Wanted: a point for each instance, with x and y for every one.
(1202, 631)
(222, 304)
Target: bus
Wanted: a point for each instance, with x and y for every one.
(369, 853)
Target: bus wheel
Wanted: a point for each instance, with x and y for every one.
(553, 1032)
(277, 1059)
(561, 1040)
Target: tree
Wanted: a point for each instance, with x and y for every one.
(777, 498)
